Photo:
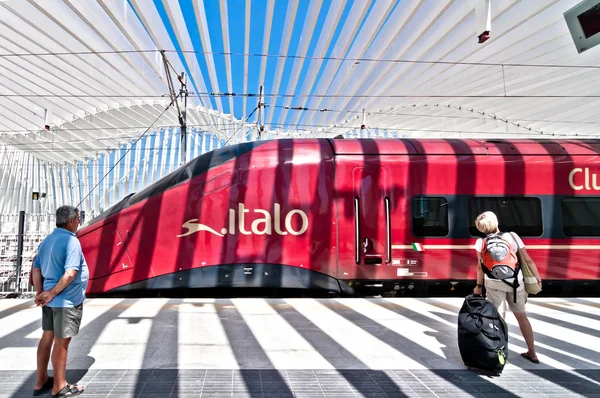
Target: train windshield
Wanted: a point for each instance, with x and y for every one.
(193, 168)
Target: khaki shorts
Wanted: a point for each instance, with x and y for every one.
(496, 297)
(64, 321)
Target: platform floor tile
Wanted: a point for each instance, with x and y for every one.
(168, 383)
(301, 348)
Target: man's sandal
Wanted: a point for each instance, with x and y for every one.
(70, 390)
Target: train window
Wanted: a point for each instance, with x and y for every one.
(159, 186)
(114, 209)
(183, 176)
(522, 215)
(429, 216)
(581, 216)
(219, 156)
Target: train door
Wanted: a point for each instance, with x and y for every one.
(372, 219)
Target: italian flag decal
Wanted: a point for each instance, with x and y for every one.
(417, 247)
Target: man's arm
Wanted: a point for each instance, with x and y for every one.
(36, 275)
(63, 282)
(38, 281)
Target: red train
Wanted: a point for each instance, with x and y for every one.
(347, 215)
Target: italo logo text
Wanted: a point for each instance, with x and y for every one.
(587, 181)
(266, 225)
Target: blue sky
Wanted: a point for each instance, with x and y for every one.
(236, 10)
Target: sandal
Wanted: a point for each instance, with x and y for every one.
(47, 386)
(69, 390)
(527, 356)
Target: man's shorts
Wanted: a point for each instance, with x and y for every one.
(496, 297)
(64, 321)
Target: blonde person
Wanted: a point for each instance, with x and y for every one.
(498, 292)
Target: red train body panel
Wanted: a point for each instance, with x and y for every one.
(332, 214)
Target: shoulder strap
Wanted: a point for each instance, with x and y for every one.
(512, 234)
(516, 284)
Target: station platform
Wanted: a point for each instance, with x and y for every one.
(388, 347)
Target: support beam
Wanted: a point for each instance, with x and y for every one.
(483, 12)
(20, 249)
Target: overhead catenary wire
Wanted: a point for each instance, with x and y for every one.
(397, 95)
(341, 125)
(390, 113)
(307, 131)
(65, 129)
(11, 133)
(292, 56)
(129, 149)
(272, 95)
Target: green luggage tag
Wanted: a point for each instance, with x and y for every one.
(501, 358)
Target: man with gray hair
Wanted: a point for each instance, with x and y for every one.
(60, 277)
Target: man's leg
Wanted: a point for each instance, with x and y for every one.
(59, 363)
(43, 357)
(66, 326)
(44, 349)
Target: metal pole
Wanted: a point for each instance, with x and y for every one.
(20, 249)
(260, 104)
(183, 124)
(260, 113)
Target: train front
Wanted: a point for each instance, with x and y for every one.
(252, 215)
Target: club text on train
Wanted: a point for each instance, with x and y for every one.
(587, 181)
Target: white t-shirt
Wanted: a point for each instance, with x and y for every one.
(518, 243)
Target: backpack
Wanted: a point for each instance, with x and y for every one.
(499, 261)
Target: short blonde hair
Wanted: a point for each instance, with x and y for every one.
(486, 222)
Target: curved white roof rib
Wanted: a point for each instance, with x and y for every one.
(87, 137)
(120, 158)
(495, 79)
(94, 73)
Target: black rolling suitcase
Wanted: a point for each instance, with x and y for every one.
(482, 335)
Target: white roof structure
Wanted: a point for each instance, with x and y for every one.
(94, 73)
